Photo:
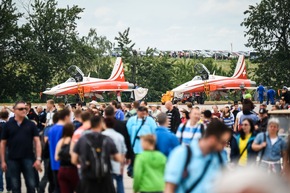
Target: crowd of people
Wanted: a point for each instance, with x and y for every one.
(86, 149)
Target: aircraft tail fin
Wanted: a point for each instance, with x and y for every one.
(240, 71)
(118, 71)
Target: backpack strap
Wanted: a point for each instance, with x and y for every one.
(241, 154)
(263, 150)
(136, 135)
(187, 160)
(181, 132)
(200, 177)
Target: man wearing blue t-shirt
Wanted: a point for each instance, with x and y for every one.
(119, 114)
(166, 140)
(54, 135)
(205, 161)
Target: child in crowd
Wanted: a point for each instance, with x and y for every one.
(149, 168)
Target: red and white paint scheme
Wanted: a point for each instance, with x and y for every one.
(219, 83)
(88, 86)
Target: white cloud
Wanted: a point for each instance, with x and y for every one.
(168, 25)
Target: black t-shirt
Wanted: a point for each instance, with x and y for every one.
(121, 128)
(19, 138)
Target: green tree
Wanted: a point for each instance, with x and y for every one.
(47, 41)
(268, 31)
(92, 55)
(8, 51)
(129, 55)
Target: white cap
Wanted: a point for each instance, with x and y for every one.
(93, 102)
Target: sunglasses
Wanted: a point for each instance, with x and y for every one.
(21, 109)
(245, 124)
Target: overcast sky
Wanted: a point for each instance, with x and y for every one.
(168, 24)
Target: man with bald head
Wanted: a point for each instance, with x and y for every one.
(41, 118)
(173, 116)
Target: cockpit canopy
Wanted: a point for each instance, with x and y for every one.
(202, 71)
(75, 73)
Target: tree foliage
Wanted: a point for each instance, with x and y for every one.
(268, 31)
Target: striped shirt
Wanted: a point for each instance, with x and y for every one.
(189, 132)
(229, 121)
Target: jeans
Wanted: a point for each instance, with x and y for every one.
(55, 181)
(119, 182)
(44, 179)
(24, 166)
(8, 181)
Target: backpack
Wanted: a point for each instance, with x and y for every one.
(95, 164)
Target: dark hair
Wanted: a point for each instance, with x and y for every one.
(68, 130)
(115, 104)
(80, 104)
(110, 122)
(63, 114)
(18, 102)
(96, 121)
(128, 106)
(248, 105)
(55, 117)
(186, 115)
(86, 116)
(4, 114)
(145, 103)
(162, 118)
(28, 104)
(109, 111)
(189, 105)
(142, 109)
(216, 128)
(207, 114)
(242, 133)
(136, 104)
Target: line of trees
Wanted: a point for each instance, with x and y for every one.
(38, 45)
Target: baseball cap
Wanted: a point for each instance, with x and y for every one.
(285, 88)
(262, 111)
(248, 96)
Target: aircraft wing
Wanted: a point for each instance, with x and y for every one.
(237, 88)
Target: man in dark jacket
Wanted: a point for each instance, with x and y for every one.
(173, 116)
(31, 113)
(262, 124)
(121, 128)
(286, 94)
